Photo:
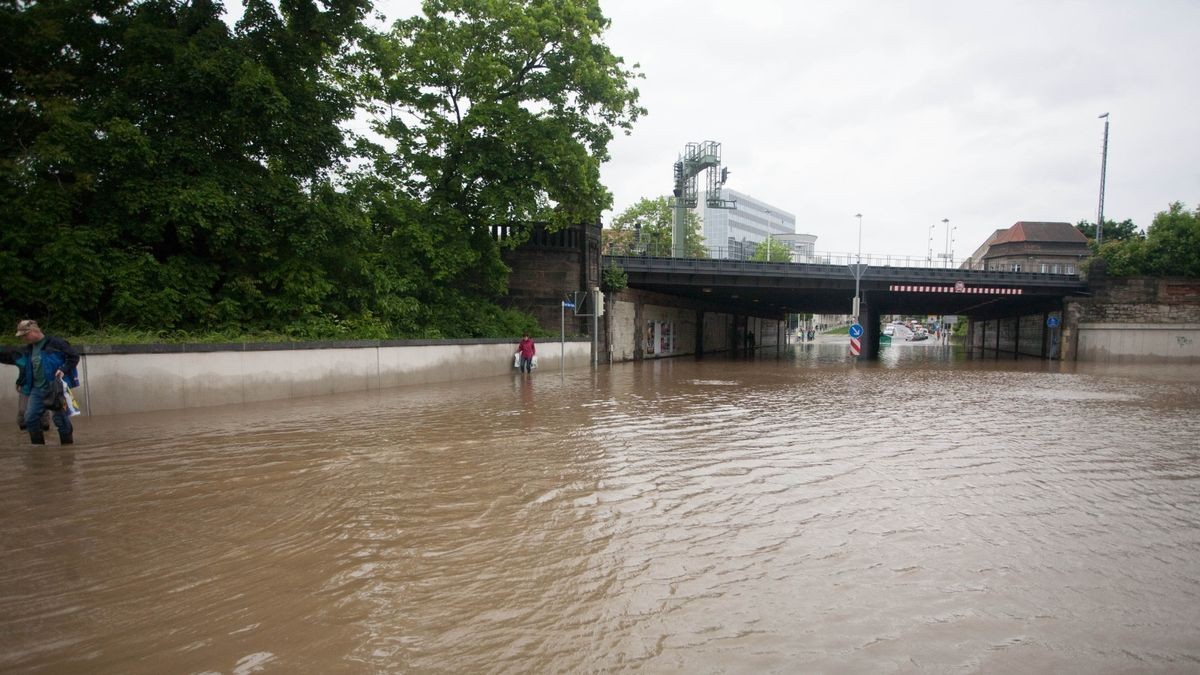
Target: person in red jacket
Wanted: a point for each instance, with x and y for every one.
(526, 350)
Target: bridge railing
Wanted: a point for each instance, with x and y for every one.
(828, 258)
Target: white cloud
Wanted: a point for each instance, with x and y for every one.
(914, 111)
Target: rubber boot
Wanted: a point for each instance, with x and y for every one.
(67, 438)
(37, 436)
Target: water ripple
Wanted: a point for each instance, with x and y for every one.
(791, 514)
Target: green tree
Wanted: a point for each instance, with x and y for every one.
(772, 250)
(647, 226)
(487, 112)
(162, 171)
(1113, 231)
(1171, 247)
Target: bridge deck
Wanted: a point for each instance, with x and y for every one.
(770, 288)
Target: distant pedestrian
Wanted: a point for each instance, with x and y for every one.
(526, 351)
(52, 361)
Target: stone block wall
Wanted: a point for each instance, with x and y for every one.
(1135, 320)
(549, 266)
(1139, 300)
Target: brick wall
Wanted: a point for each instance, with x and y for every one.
(547, 267)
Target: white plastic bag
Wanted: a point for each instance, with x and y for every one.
(516, 359)
(533, 362)
(72, 404)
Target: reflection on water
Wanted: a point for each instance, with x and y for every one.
(794, 512)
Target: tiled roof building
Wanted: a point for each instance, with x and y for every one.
(1054, 248)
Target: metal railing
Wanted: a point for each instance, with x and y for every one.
(841, 259)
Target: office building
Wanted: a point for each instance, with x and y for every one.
(735, 233)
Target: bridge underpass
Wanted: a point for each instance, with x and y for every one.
(774, 290)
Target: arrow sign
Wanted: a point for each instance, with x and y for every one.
(856, 331)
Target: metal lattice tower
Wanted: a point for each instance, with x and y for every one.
(697, 157)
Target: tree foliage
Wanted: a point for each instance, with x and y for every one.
(164, 171)
(772, 250)
(487, 113)
(1170, 248)
(647, 226)
(1113, 231)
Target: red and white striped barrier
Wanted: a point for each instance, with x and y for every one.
(902, 288)
(855, 346)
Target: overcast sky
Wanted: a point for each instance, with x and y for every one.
(910, 112)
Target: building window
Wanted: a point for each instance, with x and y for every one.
(1016, 267)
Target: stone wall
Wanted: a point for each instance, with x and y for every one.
(1135, 320)
(1140, 300)
(547, 267)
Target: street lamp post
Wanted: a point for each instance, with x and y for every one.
(929, 252)
(949, 241)
(768, 234)
(858, 269)
(1103, 170)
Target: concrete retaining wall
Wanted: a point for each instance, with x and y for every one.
(1135, 320)
(1139, 343)
(125, 379)
(635, 322)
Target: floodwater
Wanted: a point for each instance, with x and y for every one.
(793, 512)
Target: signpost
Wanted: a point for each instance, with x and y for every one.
(856, 332)
(562, 344)
(1052, 323)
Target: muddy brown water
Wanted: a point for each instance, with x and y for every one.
(794, 512)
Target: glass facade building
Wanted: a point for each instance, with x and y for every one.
(736, 233)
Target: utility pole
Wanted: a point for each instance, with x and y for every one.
(858, 269)
(768, 235)
(1103, 170)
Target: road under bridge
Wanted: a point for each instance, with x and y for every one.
(776, 289)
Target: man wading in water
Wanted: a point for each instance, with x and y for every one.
(50, 359)
(526, 350)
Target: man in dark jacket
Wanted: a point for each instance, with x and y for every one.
(50, 359)
(17, 357)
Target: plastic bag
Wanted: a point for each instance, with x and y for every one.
(533, 362)
(72, 406)
(516, 359)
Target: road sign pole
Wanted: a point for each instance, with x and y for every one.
(856, 333)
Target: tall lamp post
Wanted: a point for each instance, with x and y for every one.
(768, 234)
(929, 252)
(858, 268)
(1103, 169)
(949, 242)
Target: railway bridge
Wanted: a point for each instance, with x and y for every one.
(776, 289)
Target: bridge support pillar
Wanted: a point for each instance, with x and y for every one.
(869, 320)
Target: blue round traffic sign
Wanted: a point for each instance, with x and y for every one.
(1052, 322)
(856, 330)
